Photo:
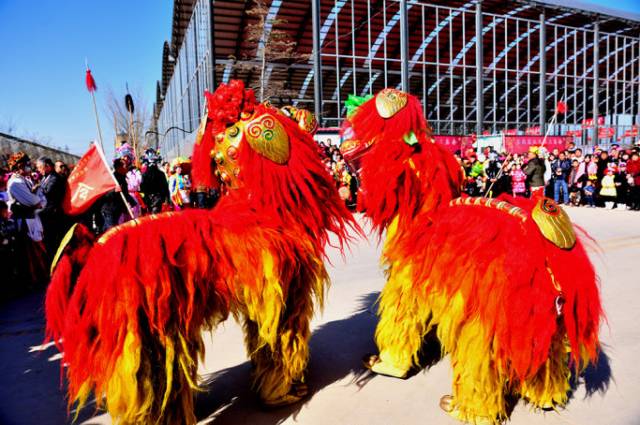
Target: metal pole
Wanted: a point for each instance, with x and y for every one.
(596, 76)
(404, 46)
(317, 66)
(212, 50)
(543, 75)
(479, 71)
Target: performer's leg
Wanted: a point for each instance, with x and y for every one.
(154, 379)
(278, 372)
(565, 191)
(478, 387)
(404, 321)
(549, 388)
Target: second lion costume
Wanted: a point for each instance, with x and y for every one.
(505, 284)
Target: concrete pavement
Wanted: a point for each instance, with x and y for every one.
(342, 393)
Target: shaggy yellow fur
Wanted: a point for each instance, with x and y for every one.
(549, 387)
(123, 398)
(403, 320)
(480, 386)
(277, 328)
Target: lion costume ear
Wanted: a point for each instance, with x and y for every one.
(267, 136)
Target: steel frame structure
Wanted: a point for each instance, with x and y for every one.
(530, 57)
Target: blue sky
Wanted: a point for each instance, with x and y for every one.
(43, 45)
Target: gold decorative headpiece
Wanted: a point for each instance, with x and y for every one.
(390, 101)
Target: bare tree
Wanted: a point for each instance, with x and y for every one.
(9, 126)
(133, 125)
(36, 137)
(274, 45)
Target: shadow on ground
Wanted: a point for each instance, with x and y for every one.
(336, 351)
(595, 378)
(30, 393)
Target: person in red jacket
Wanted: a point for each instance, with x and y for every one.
(633, 174)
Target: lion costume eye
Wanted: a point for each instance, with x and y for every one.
(225, 155)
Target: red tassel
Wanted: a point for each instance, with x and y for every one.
(91, 83)
(561, 108)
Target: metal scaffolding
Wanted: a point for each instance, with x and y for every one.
(529, 56)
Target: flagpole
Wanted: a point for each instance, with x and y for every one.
(124, 200)
(546, 134)
(553, 121)
(95, 111)
(91, 86)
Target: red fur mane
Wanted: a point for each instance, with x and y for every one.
(399, 179)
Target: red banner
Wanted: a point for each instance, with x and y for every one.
(588, 123)
(574, 133)
(513, 144)
(521, 144)
(455, 143)
(90, 179)
(533, 131)
(606, 132)
(451, 143)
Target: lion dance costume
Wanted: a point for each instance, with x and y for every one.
(129, 312)
(504, 284)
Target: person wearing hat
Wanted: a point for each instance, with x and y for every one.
(608, 190)
(154, 186)
(535, 170)
(24, 205)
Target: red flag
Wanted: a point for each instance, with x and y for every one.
(91, 83)
(90, 179)
(561, 108)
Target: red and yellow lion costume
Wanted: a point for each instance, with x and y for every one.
(504, 283)
(130, 315)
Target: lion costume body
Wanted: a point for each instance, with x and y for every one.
(504, 283)
(130, 315)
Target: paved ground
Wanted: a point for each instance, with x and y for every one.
(342, 393)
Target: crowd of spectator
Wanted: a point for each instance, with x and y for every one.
(345, 177)
(608, 178)
(33, 221)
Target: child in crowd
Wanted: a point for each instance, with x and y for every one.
(608, 190)
(589, 193)
(518, 179)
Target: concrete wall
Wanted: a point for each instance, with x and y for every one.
(10, 144)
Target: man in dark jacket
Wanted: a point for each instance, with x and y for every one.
(633, 171)
(534, 170)
(112, 206)
(496, 178)
(560, 169)
(155, 188)
(53, 188)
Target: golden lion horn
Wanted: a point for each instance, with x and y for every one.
(390, 101)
